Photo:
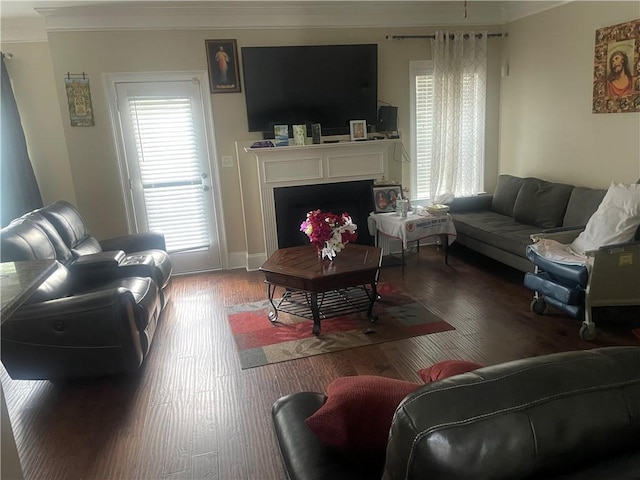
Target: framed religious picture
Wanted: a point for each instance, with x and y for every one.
(385, 197)
(616, 69)
(358, 129)
(224, 72)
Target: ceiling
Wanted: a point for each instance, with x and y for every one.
(27, 20)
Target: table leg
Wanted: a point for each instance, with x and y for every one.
(316, 313)
(273, 313)
(372, 300)
(444, 238)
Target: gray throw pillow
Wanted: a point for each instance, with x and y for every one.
(505, 194)
(541, 203)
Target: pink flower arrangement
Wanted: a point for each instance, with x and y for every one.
(329, 232)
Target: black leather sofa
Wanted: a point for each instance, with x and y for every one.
(97, 313)
(571, 415)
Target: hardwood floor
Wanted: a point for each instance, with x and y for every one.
(192, 413)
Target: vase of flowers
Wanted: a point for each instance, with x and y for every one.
(329, 232)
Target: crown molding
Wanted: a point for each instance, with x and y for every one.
(252, 15)
(108, 15)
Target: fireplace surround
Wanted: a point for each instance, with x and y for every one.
(310, 166)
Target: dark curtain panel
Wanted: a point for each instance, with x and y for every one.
(20, 193)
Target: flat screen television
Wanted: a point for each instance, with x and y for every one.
(325, 84)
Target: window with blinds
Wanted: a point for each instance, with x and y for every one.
(171, 178)
(422, 128)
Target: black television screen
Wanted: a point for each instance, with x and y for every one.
(325, 84)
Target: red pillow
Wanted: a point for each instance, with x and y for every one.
(445, 369)
(357, 415)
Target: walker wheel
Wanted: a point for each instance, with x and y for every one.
(588, 331)
(538, 305)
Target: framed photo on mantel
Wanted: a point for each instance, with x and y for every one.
(358, 129)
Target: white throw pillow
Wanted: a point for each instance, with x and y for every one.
(615, 221)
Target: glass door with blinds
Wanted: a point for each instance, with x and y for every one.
(167, 163)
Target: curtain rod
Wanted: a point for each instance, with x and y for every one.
(7, 55)
(466, 35)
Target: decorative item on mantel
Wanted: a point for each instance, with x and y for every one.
(299, 134)
(329, 232)
(281, 134)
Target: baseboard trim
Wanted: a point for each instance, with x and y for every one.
(255, 260)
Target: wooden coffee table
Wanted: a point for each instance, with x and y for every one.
(300, 269)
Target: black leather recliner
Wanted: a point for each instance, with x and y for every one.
(92, 316)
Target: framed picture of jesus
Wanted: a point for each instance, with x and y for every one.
(616, 69)
(224, 72)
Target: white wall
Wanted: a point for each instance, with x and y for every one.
(546, 125)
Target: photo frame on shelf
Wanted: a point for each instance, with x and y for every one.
(385, 197)
(222, 60)
(358, 129)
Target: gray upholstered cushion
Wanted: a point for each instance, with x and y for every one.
(541, 203)
(583, 202)
(500, 231)
(505, 194)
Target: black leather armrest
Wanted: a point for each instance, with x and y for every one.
(96, 268)
(303, 455)
(112, 258)
(470, 204)
(136, 242)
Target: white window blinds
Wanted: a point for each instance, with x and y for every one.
(170, 173)
(423, 135)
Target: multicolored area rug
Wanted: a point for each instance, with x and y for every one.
(260, 342)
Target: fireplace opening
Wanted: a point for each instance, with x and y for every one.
(293, 203)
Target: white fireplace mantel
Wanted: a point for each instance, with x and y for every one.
(315, 164)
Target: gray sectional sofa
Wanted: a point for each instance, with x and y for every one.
(500, 225)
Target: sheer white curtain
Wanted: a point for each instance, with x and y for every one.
(460, 78)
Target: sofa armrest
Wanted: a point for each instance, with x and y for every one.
(102, 259)
(96, 267)
(136, 242)
(304, 456)
(472, 203)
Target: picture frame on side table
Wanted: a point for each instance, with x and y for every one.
(358, 129)
(224, 72)
(385, 197)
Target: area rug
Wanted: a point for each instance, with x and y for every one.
(260, 341)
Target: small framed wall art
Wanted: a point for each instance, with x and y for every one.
(79, 99)
(222, 59)
(385, 197)
(358, 129)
